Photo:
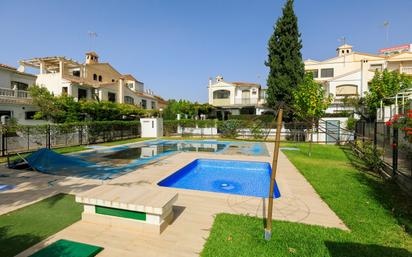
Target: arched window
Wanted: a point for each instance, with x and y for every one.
(94, 76)
(347, 90)
(221, 94)
(128, 100)
(100, 78)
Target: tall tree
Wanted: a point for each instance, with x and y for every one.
(284, 59)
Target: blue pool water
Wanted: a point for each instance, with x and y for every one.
(108, 162)
(224, 176)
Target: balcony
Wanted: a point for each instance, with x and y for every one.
(14, 93)
(406, 70)
(221, 102)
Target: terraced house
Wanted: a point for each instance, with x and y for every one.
(90, 80)
(235, 98)
(349, 73)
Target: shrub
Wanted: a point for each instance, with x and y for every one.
(369, 154)
(230, 128)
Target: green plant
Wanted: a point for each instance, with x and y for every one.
(384, 85)
(370, 154)
(351, 123)
(230, 128)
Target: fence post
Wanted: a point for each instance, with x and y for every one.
(28, 138)
(363, 131)
(375, 134)
(395, 141)
(80, 134)
(48, 143)
(3, 144)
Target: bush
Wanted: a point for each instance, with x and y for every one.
(369, 154)
(351, 123)
(230, 128)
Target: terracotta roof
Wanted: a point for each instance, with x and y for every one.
(92, 53)
(245, 84)
(7, 66)
(129, 77)
(13, 69)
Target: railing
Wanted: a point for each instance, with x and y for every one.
(221, 102)
(406, 70)
(7, 92)
(248, 101)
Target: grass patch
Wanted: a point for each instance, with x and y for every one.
(28, 226)
(375, 211)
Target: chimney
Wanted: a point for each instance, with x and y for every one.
(121, 90)
(92, 58)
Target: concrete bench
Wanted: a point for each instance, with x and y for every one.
(141, 208)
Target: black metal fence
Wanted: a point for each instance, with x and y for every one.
(17, 139)
(395, 149)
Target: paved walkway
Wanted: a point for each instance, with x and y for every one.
(195, 210)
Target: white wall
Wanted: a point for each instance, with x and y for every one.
(7, 76)
(19, 112)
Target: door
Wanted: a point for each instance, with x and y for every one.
(245, 96)
(332, 131)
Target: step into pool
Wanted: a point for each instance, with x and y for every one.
(224, 176)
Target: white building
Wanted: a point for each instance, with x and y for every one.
(90, 80)
(15, 101)
(235, 98)
(349, 73)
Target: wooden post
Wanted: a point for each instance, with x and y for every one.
(268, 229)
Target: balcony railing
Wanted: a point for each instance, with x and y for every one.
(7, 92)
(406, 70)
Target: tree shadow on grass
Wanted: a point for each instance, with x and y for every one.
(10, 245)
(337, 249)
(387, 192)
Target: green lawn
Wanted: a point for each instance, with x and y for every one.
(374, 210)
(27, 226)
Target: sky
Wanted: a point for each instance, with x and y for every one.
(175, 46)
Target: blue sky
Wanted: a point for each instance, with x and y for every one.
(174, 46)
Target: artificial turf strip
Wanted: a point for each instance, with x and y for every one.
(66, 248)
(28, 226)
(372, 208)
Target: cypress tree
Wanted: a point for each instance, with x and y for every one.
(284, 59)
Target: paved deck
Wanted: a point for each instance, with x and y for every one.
(195, 210)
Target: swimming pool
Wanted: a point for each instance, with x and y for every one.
(108, 162)
(224, 176)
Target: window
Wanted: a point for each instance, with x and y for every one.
(111, 97)
(76, 73)
(65, 90)
(153, 105)
(94, 76)
(377, 67)
(128, 100)
(112, 80)
(144, 104)
(100, 78)
(347, 90)
(221, 94)
(326, 73)
(19, 85)
(29, 115)
(81, 93)
(315, 73)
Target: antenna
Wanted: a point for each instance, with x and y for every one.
(342, 40)
(92, 36)
(386, 26)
